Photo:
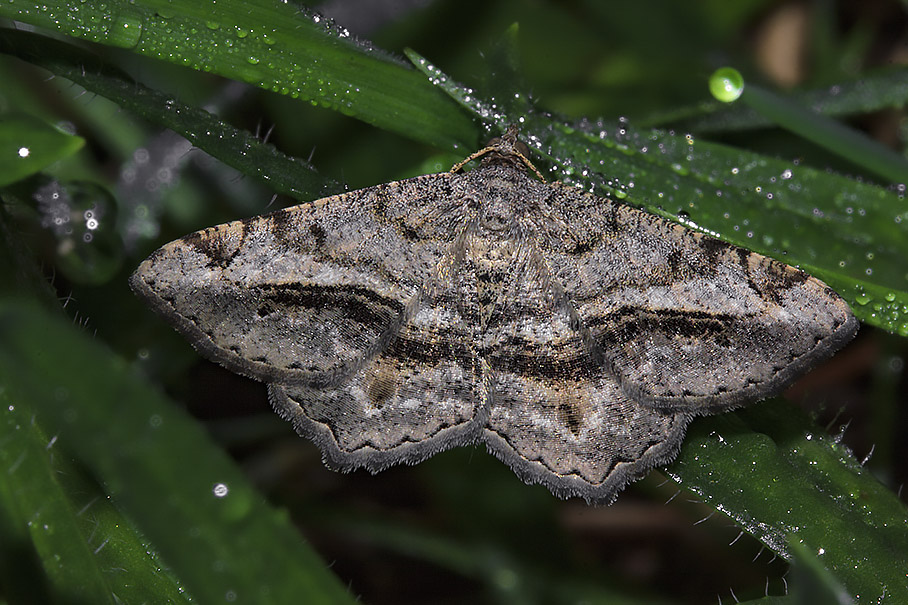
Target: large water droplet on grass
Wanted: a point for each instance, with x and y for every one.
(726, 84)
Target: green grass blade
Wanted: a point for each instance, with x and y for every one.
(275, 46)
(158, 466)
(781, 478)
(28, 145)
(868, 93)
(39, 521)
(236, 148)
(65, 542)
(848, 143)
(811, 582)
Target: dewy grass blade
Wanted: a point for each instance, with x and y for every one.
(278, 47)
(203, 518)
(830, 134)
(773, 472)
(86, 548)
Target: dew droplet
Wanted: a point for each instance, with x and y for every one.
(126, 29)
(726, 84)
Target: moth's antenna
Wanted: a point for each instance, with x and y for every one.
(507, 147)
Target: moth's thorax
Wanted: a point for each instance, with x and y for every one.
(497, 217)
(494, 251)
(503, 198)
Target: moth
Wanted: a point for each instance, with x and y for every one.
(574, 336)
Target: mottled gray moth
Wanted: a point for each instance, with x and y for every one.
(575, 337)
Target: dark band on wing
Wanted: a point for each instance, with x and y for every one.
(629, 323)
(569, 363)
(545, 367)
(374, 311)
(430, 352)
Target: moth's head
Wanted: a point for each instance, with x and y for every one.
(507, 149)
